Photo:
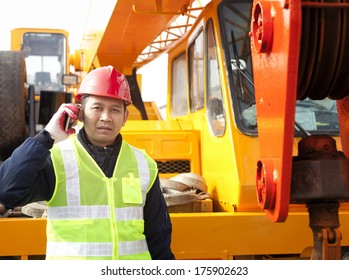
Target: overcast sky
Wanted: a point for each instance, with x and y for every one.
(69, 15)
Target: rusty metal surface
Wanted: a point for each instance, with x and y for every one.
(320, 179)
(319, 172)
(324, 222)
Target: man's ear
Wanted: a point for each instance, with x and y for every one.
(125, 117)
(81, 115)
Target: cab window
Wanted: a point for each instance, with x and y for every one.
(196, 73)
(215, 109)
(179, 100)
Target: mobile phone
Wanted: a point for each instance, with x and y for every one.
(69, 122)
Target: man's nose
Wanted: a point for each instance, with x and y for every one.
(105, 116)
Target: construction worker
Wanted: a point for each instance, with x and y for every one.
(103, 195)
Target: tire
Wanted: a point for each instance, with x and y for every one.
(12, 102)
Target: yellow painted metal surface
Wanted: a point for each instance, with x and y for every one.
(224, 235)
(195, 235)
(22, 237)
(17, 35)
(153, 112)
(165, 141)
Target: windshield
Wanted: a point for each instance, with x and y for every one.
(315, 116)
(45, 56)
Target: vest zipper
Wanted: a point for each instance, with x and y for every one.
(113, 224)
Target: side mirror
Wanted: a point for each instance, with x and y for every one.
(70, 79)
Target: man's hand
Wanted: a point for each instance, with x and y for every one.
(56, 125)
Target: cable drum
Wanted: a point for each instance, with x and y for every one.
(324, 57)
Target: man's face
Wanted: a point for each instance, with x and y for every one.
(103, 118)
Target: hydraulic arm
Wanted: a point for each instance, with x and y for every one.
(300, 50)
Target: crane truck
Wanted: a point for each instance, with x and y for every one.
(256, 104)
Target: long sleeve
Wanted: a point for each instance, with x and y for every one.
(27, 176)
(158, 227)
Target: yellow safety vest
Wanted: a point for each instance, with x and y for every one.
(91, 216)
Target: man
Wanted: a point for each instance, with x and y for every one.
(103, 195)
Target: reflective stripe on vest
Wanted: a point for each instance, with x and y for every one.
(72, 174)
(78, 249)
(70, 208)
(95, 211)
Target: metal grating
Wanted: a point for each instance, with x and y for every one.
(178, 27)
(173, 166)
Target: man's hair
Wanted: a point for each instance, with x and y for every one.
(83, 100)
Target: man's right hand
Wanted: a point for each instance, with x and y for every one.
(56, 125)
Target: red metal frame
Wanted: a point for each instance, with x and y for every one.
(275, 32)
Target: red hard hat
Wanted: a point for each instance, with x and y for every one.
(105, 81)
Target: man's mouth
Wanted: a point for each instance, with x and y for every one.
(104, 128)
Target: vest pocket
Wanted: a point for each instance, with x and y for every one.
(131, 190)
